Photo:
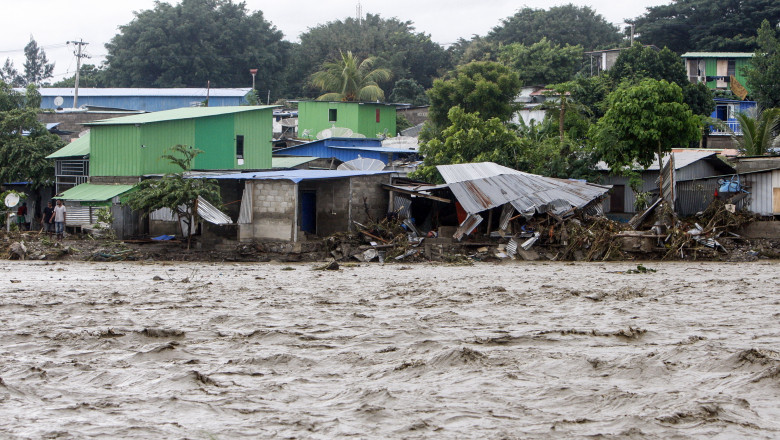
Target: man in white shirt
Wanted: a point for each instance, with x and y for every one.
(59, 219)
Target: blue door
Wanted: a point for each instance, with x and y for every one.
(309, 212)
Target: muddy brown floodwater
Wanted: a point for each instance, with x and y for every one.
(519, 350)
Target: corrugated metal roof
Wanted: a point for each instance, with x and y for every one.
(88, 192)
(377, 149)
(296, 175)
(290, 161)
(481, 186)
(200, 92)
(681, 160)
(78, 147)
(717, 55)
(179, 113)
(211, 213)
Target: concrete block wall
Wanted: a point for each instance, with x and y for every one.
(274, 204)
(367, 191)
(332, 204)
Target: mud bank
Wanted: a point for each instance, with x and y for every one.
(513, 350)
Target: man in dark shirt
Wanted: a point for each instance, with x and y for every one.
(48, 219)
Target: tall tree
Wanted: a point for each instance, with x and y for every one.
(36, 66)
(543, 62)
(763, 73)
(482, 87)
(24, 142)
(640, 62)
(566, 24)
(643, 121)
(706, 25)
(195, 41)
(468, 138)
(395, 44)
(9, 74)
(350, 79)
(175, 192)
(410, 92)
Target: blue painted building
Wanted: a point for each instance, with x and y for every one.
(346, 149)
(149, 100)
(726, 110)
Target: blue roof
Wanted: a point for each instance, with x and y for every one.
(346, 149)
(294, 175)
(379, 149)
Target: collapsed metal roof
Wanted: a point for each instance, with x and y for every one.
(485, 185)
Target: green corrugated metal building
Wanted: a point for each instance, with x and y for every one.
(367, 118)
(715, 68)
(230, 137)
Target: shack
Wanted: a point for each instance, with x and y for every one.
(297, 205)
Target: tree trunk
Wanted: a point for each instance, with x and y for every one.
(560, 119)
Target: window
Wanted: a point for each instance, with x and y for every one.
(239, 147)
(731, 70)
(332, 115)
(377, 115)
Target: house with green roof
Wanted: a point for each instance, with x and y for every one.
(364, 119)
(98, 168)
(719, 70)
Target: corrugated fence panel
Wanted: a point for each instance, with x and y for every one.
(695, 195)
(760, 191)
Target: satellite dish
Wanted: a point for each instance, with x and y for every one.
(335, 132)
(362, 164)
(11, 200)
(403, 142)
(58, 101)
(358, 136)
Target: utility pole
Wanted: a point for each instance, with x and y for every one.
(79, 56)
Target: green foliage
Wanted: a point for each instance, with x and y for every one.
(591, 92)
(759, 131)
(89, 76)
(394, 43)
(543, 62)
(642, 120)
(401, 123)
(641, 62)
(32, 97)
(477, 49)
(566, 24)
(706, 25)
(350, 79)
(482, 87)
(187, 44)
(9, 74)
(36, 66)
(410, 92)
(763, 73)
(468, 138)
(174, 191)
(23, 158)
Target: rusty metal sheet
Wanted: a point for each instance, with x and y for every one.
(481, 186)
(506, 215)
(468, 225)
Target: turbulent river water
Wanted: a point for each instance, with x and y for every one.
(520, 350)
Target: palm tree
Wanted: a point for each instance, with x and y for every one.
(350, 79)
(759, 131)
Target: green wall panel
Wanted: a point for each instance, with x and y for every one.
(158, 139)
(115, 151)
(257, 129)
(215, 137)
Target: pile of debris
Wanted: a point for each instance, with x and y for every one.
(387, 239)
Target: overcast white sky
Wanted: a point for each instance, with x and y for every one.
(54, 22)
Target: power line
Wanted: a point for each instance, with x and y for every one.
(51, 46)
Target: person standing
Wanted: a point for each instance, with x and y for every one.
(59, 219)
(48, 219)
(21, 217)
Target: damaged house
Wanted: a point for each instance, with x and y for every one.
(473, 193)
